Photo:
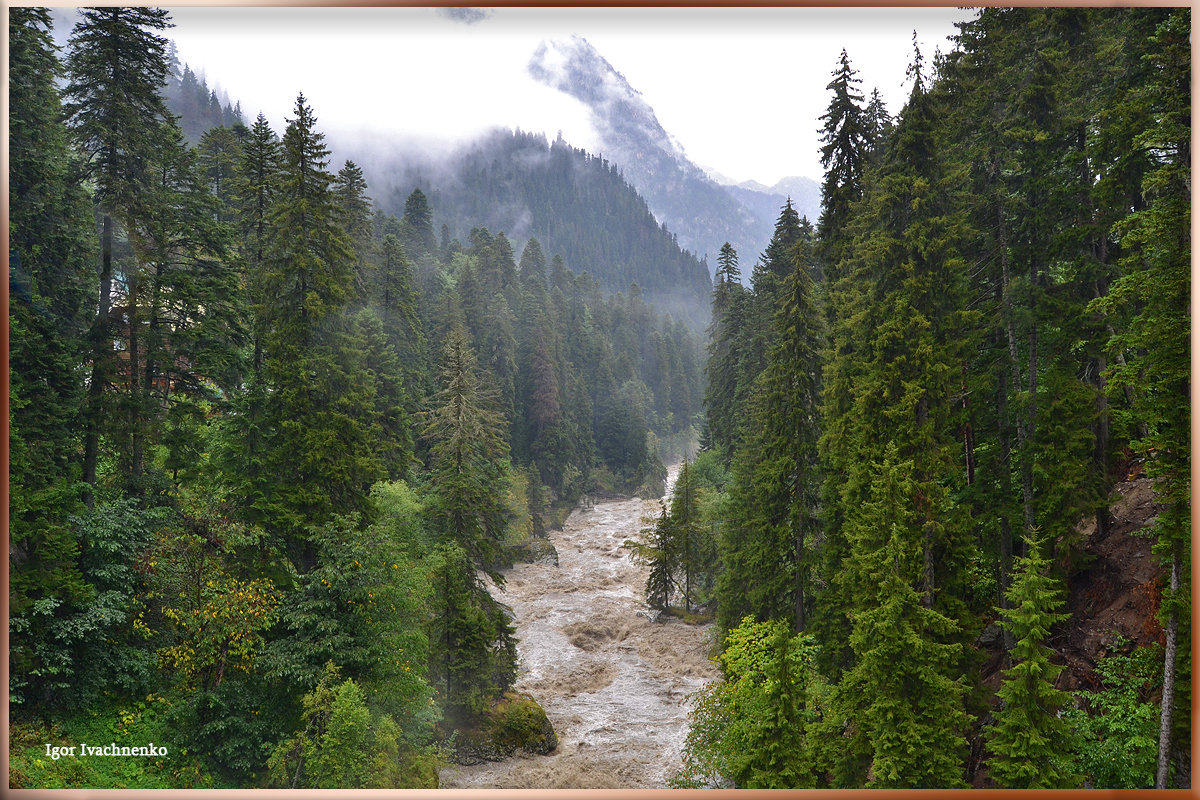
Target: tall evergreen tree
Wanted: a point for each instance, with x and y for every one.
(724, 393)
(417, 226)
(900, 692)
(774, 492)
(1152, 358)
(321, 415)
(52, 292)
(468, 460)
(350, 189)
(1030, 742)
(845, 139)
(116, 68)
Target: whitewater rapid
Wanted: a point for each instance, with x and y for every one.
(613, 683)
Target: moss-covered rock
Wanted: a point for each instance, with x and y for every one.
(535, 551)
(514, 722)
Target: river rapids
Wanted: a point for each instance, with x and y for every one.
(613, 683)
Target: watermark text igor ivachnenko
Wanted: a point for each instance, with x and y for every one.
(112, 750)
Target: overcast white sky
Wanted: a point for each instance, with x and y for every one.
(741, 89)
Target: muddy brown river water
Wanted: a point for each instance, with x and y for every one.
(613, 683)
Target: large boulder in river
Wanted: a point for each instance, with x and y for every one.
(535, 551)
(515, 722)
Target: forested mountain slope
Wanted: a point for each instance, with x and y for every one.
(574, 203)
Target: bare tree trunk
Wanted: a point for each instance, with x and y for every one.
(137, 446)
(1024, 429)
(1168, 695)
(101, 358)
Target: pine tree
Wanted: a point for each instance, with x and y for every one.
(1029, 741)
(321, 417)
(468, 460)
(845, 141)
(52, 292)
(899, 692)
(116, 68)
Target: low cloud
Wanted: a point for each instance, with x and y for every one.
(465, 14)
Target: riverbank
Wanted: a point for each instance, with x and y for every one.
(613, 683)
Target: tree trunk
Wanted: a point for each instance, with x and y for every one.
(1168, 694)
(101, 358)
(1023, 433)
(137, 446)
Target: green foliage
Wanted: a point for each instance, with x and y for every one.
(1118, 731)
(768, 545)
(321, 416)
(345, 746)
(845, 142)
(474, 656)
(1029, 738)
(134, 723)
(89, 647)
(468, 460)
(901, 693)
(752, 727)
(363, 607)
(342, 745)
(681, 551)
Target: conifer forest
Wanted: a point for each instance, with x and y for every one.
(277, 438)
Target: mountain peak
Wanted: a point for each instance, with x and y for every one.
(623, 119)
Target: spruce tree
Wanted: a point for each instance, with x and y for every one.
(1152, 350)
(724, 394)
(52, 293)
(768, 546)
(468, 460)
(350, 189)
(417, 225)
(321, 417)
(900, 692)
(1030, 743)
(116, 69)
(845, 140)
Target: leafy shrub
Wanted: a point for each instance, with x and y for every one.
(1118, 731)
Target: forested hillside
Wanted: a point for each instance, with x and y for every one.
(917, 417)
(574, 203)
(265, 437)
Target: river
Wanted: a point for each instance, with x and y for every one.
(613, 683)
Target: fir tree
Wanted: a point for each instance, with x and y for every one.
(321, 411)
(52, 292)
(844, 137)
(116, 69)
(1029, 741)
(468, 460)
